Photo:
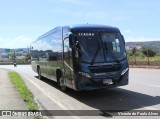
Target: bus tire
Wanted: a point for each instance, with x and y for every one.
(62, 84)
(39, 73)
(60, 81)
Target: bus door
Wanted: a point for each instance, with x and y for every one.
(68, 63)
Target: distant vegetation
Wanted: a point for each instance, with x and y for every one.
(20, 56)
(143, 53)
(147, 43)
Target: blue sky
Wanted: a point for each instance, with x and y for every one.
(22, 21)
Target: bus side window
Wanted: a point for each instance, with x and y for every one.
(67, 51)
(51, 56)
(116, 47)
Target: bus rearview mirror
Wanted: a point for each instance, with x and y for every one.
(70, 40)
(123, 39)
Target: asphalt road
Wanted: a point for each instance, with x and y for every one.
(142, 93)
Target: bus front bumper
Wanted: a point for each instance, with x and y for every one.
(83, 83)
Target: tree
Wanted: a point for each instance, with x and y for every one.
(148, 52)
(134, 53)
(27, 57)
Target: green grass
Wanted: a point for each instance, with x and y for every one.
(143, 58)
(23, 90)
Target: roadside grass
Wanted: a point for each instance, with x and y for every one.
(23, 90)
(143, 58)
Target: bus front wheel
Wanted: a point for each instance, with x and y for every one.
(61, 84)
(39, 73)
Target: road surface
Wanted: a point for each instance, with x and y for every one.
(142, 93)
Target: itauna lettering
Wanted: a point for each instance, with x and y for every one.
(85, 34)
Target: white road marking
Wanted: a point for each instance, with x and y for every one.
(150, 108)
(145, 84)
(55, 100)
(154, 86)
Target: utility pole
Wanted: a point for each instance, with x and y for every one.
(148, 56)
(14, 55)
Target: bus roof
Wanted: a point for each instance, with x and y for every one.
(93, 27)
(83, 28)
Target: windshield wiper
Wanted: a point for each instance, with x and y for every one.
(112, 54)
(94, 57)
(105, 48)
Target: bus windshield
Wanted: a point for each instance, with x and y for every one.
(100, 47)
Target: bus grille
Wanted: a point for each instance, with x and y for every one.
(105, 68)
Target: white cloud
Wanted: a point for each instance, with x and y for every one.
(93, 15)
(97, 15)
(127, 31)
(77, 2)
(17, 42)
(140, 39)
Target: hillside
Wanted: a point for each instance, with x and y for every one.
(147, 43)
(153, 44)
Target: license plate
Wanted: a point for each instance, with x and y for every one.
(108, 81)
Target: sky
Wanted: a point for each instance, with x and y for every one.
(22, 21)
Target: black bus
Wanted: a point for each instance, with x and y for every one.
(82, 57)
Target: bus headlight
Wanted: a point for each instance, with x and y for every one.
(124, 71)
(85, 74)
